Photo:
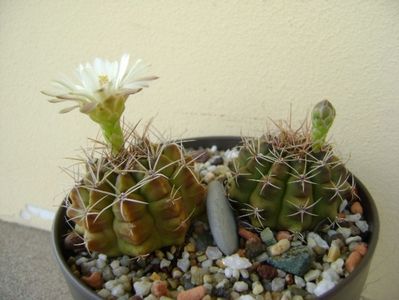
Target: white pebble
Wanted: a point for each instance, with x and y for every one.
(323, 286)
(125, 261)
(362, 225)
(118, 290)
(183, 264)
(213, 149)
(343, 205)
(317, 239)
(209, 177)
(176, 273)
(346, 232)
(280, 247)
(142, 288)
(151, 297)
(222, 283)
(240, 286)
(104, 293)
(110, 284)
(213, 253)
(236, 262)
(330, 275)
(100, 263)
(246, 297)
(119, 271)
(312, 275)
(169, 256)
(114, 264)
(257, 288)
(353, 218)
(102, 257)
(244, 273)
(338, 266)
(353, 239)
(206, 263)
(299, 281)
(281, 273)
(278, 284)
(310, 286)
(164, 263)
(81, 261)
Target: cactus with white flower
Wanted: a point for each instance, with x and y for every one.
(136, 196)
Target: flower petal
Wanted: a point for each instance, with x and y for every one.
(68, 109)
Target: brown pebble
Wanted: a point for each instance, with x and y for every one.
(248, 235)
(196, 293)
(266, 272)
(135, 297)
(353, 261)
(268, 296)
(361, 249)
(200, 156)
(241, 253)
(356, 208)
(283, 235)
(74, 241)
(289, 279)
(159, 288)
(94, 280)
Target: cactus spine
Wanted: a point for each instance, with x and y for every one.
(291, 180)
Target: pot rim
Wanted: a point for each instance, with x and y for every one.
(228, 142)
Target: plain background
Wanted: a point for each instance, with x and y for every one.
(225, 67)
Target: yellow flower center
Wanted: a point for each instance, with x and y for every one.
(103, 79)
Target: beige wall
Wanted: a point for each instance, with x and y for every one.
(225, 66)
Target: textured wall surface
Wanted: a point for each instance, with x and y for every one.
(224, 67)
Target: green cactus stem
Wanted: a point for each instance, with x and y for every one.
(138, 201)
(323, 116)
(290, 181)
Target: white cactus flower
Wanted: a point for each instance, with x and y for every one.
(98, 82)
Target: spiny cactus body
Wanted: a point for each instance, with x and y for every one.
(136, 202)
(291, 180)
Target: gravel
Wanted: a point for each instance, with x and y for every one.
(225, 271)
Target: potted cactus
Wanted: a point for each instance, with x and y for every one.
(139, 222)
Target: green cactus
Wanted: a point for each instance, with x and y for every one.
(140, 201)
(291, 180)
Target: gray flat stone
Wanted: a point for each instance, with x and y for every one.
(221, 219)
(296, 260)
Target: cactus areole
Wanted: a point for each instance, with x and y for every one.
(290, 180)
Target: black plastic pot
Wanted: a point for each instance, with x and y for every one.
(349, 288)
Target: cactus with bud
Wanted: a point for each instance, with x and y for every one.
(291, 180)
(135, 196)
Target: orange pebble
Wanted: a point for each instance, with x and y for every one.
(95, 280)
(353, 261)
(248, 235)
(196, 293)
(361, 249)
(281, 235)
(356, 208)
(159, 288)
(241, 252)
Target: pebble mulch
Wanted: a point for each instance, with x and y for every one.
(268, 265)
